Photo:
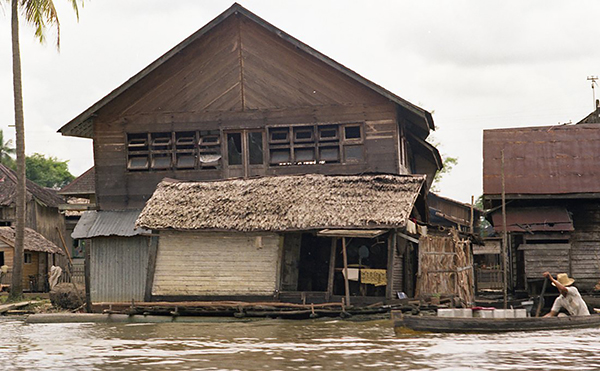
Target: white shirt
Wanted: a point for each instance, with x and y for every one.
(573, 303)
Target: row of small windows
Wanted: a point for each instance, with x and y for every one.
(292, 145)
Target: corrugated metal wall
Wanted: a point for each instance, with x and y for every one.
(118, 267)
(213, 264)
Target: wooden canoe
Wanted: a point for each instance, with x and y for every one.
(490, 325)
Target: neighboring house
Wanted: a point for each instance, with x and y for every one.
(550, 177)
(42, 213)
(237, 99)
(80, 196)
(40, 255)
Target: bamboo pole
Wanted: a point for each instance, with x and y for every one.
(504, 238)
(346, 283)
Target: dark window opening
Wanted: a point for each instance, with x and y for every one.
(352, 132)
(328, 133)
(186, 161)
(185, 140)
(255, 147)
(161, 161)
(174, 150)
(161, 141)
(279, 135)
(1, 258)
(28, 258)
(303, 134)
(234, 148)
(138, 163)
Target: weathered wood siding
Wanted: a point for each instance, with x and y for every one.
(540, 258)
(585, 243)
(291, 257)
(31, 269)
(237, 76)
(118, 267)
(217, 264)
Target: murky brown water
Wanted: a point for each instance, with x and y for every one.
(322, 344)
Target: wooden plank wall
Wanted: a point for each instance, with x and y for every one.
(118, 267)
(216, 264)
(291, 257)
(237, 76)
(585, 243)
(540, 258)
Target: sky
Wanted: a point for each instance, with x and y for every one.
(474, 64)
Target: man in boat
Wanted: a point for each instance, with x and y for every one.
(569, 298)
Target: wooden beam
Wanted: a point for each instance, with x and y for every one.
(88, 296)
(346, 283)
(152, 252)
(331, 268)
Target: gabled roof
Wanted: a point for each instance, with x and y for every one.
(282, 203)
(33, 241)
(81, 126)
(8, 190)
(82, 185)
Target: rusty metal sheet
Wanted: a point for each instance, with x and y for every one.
(534, 219)
(108, 223)
(547, 160)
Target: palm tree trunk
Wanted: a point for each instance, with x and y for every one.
(16, 289)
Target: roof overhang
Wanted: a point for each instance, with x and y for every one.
(358, 233)
(108, 223)
(82, 125)
(534, 219)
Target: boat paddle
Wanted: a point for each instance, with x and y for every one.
(541, 301)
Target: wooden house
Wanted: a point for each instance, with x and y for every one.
(42, 213)
(239, 98)
(39, 256)
(282, 238)
(552, 200)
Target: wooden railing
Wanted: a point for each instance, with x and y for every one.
(489, 279)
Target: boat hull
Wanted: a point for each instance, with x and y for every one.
(490, 325)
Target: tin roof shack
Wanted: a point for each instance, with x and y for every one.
(285, 238)
(552, 200)
(38, 253)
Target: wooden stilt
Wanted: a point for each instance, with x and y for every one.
(346, 283)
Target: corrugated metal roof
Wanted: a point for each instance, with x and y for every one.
(108, 223)
(534, 219)
(548, 160)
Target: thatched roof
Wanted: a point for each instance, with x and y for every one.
(8, 190)
(33, 241)
(301, 202)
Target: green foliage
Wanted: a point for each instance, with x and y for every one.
(447, 166)
(48, 172)
(6, 152)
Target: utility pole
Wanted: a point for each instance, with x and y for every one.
(593, 80)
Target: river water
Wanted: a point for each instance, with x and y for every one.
(321, 344)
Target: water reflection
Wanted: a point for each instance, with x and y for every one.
(285, 345)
